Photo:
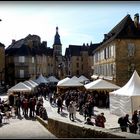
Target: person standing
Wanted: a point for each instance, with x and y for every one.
(18, 105)
(59, 104)
(71, 111)
(139, 121)
(124, 121)
(75, 108)
(135, 121)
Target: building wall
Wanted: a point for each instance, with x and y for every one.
(124, 63)
(2, 64)
(120, 62)
(81, 65)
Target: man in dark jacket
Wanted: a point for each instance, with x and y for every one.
(124, 121)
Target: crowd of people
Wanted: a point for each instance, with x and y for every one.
(23, 105)
(82, 103)
(75, 101)
(30, 105)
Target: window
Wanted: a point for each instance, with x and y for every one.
(77, 65)
(131, 49)
(21, 73)
(82, 67)
(33, 60)
(105, 53)
(21, 59)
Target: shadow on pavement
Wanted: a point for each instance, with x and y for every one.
(79, 120)
(63, 114)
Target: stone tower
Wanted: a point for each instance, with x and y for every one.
(57, 54)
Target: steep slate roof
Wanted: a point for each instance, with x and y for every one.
(2, 45)
(46, 50)
(57, 38)
(121, 29)
(21, 47)
(92, 47)
(75, 50)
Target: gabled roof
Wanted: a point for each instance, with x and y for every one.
(120, 31)
(23, 47)
(2, 45)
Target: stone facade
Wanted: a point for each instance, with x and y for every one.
(118, 55)
(79, 60)
(27, 58)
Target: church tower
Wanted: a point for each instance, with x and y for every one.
(57, 54)
(57, 44)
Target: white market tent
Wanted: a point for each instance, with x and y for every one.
(53, 79)
(20, 87)
(70, 83)
(41, 80)
(34, 83)
(83, 78)
(62, 81)
(29, 84)
(101, 84)
(75, 78)
(126, 99)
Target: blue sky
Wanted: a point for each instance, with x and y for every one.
(78, 21)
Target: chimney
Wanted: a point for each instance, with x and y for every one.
(105, 36)
(13, 41)
(44, 43)
(136, 20)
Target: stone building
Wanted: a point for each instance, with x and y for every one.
(118, 55)
(79, 60)
(27, 58)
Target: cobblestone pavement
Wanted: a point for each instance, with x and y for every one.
(21, 128)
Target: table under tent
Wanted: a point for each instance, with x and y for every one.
(100, 89)
(69, 84)
(17, 90)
